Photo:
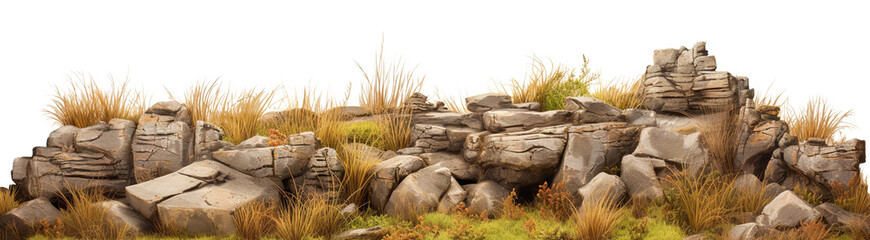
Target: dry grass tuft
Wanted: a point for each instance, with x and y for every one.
(239, 114)
(769, 100)
(82, 218)
(255, 220)
(313, 217)
(809, 230)
(554, 202)
(621, 94)
(550, 84)
(700, 201)
(85, 104)
(388, 85)
(719, 134)
(510, 209)
(854, 196)
(358, 173)
(202, 100)
(454, 104)
(396, 130)
(596, 219)
(817, 120)
(7, 201)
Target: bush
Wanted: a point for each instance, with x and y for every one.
(254, 220)
(550, 85)
(817, 120)
(84, 104)
(314, 217)
(854, 196)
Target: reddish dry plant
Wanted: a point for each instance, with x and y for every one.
(554, 201)
(530, 227)
(510, 209)
(276, 138)
(853, 196)
(463, 211)
(404, 231)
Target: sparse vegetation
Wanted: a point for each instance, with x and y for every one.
(698, 201)
(854, 196)
(550, 84)
(719, 134)
(255, 220)
(817, 119)
(388, 85)
(84, 103)
(309, 218)
(554, 201)
(620, 94)
(82, 218)
(596, 219)
(7, 201)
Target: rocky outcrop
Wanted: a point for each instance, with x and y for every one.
(639, 176)
(208, 138)
(163, 142)
(521, 159)
(495, 101)
(603, 187)
(676, 149)
(514, 120)
(324, 175)
(682, 80)
(592, 147)
(388, 174)
(460, 169)
(98, 156)
(838, 217)
(200, 198)
(19, 222)
(434, 138)
(473, 146)
(469, 120)
(279, 162)
(417, 103)
(485, 197)
(787, 210)
(759, 135)
(824, 164)
(429, 189)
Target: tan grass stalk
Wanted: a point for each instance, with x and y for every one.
(7, 201)
(358, 174)
(255, 220)
(719, 134)
(202, 100)
(84, 103)
(817, 120)
(768, 99)
(314, 217)
(454, 104)
(388, 85)
(699, 200)
(854, 196)
(549, 84)
(82, 218)
(239, 114)
(621, 94)
(397, 129)
(596, 219)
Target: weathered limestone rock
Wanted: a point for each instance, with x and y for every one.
(254, 142)
(603, 187)
(591, 110)
(470, 120)
(434, 138)
(839, 217)
(758, 138)
(787, 210)
(208, 139)
(279, 162)
(826, 164)
(519, 159)
(640, 178)
(485, 197)
(494, 101)
(592, 147)
(369, 152)
(388, 174)
(372, 233)
(460, 169)
(324, 175)
(746, 231)
(514, 120)
(200, 198)
(421, 192)
(22, 219)
(473, 146)
(640, 117)
(164, 141)
(682, 80)
(99, 157)
(674, 148)
(122, 215)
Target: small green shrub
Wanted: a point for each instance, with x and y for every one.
(367, 132)
(550, 84)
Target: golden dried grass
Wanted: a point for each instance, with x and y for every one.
(817, 119)
(596, 219)
(621, 94)
(7, 201)
(82, 218)
(388, 85)
(309, 218)
(255, 220)
(700, 201)
(84, 103)
(549, 84)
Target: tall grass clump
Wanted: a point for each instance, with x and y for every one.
(309, 218)
(699, 201)
(255, 220)
(770, 100)
(454, 104)
(84, 103)
(397, 129)
(203, 100)
(83, 218)
(358, 173)
(621, 94)
(854, 196)
(817, 119)
(549, 84)
(596, 219)
(388, 85)
(239, 114)
(719, 135)
(7, 201)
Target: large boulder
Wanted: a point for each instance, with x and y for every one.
(388, 174)
(485, 197)
(676, 149)
(460, 169)
(432, 188)
(684, 80)
(824, 164)
(123, 215)
(200, 198)
(516, 120)
(494, 101)
(603, 187)
(19, 222)
(324, 175)
(522, 159)
(98, 156)
(279, 162)
(590, 148)
(639, 176)
(758, 138)
(787, 210)
(163, 142)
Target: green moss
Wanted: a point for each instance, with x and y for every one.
(370, 219)
(368, 132)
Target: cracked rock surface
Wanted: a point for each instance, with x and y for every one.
(164, 141)
(520, 159)
(591, 148)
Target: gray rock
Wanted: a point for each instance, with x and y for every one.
(757, 141)
(372, 233)
(603, 187)
(640, 178)
(485, 197)
(122, 215)
(787, 210)
(164, 141)
(592, 147)
(200, 198)
(458, 167)
(838, 217)
(514, 120)
(63, 138)
(324, 175)
(695, 237)
(434, 138)
(388, 174)
(494, 101)
(520, 159)
(279, 162)
(417, 103)
(22, 219)
(420, 192)
(826, 164)
(208, 138)
(413, 151)
(591, 110)
(473, 146)
(254, 142)
(640, 117)
(455, 194)
(747, 183)
(746, 231)
(674, 148)
(471, 120)
(772, 190)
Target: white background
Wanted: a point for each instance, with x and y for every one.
(463, 47)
